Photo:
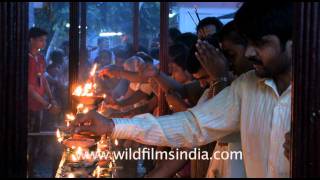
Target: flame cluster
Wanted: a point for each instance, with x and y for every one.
(88, 88)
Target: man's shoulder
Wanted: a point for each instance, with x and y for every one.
(248, 77)
(245, 82)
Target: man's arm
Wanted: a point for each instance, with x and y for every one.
(167, 169)
(36, 96)
(148, 107)
(134, 98)
(48, 90)
(118, 72)
(200, 125)
(132, 76)
(176, 104)
(120, 89)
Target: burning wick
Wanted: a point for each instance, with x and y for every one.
(59, 136)
(98, 172)
(116, 142)
(70, 117)
(79, 107)
(93, 70)
(71, 175)
(79, 151)
(74, 158)
(85, 111)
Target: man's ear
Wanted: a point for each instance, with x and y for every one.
(289, 48)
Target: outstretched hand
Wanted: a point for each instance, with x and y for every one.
(93, 122)
(111, 71)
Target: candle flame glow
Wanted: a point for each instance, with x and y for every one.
(86, 110)
(80, 106)
(73, 158)
(71, 175)
(93, 70)
(98, 171)
(86, 90)
(70, 117)
(59, 137)
(79, 151)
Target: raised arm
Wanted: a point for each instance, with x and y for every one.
(200, 125)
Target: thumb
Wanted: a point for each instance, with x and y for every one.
(84, 129)
(82, 118)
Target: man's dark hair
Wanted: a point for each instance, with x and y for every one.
(36, 32)
(65, 44)
(229, 32)
(56, 57)
(193, 64)
(123, 52)
(145, 57)
(179, 53)
(51, 66)
(174, 33)
(154, 52)
(187, 39)
(210, 21)
(257, 19)
(105, 53)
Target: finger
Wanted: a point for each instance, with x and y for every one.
(82, 118)
(203, 45)
(201, 51)
(205, 52)
(210, 49)
(80, 129)
(200, 59)
(198, 56)
(199, 47)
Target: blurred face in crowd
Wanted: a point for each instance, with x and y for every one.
(235, 54)
(202, 77)
(104, 59)
(103, 44)
(39, 42)
(54, 71)
(179, 74)
(120, 61)
(269, 57)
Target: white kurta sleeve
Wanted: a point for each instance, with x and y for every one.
(199, 125)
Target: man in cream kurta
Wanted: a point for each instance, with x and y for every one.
(250, 105)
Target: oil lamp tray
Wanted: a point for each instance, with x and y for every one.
(83, 142)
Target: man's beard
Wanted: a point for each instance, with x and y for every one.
(260, 70)
(265, 72)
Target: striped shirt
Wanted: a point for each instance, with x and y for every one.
(250, 105)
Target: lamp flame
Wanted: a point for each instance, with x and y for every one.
(93, 70)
